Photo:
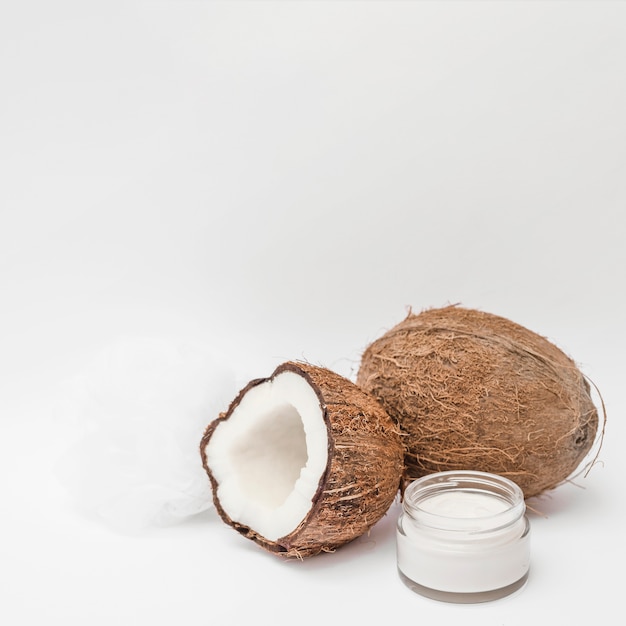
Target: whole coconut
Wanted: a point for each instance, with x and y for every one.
(472, 390)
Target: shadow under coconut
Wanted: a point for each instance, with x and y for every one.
(568, 499)
(380, 539)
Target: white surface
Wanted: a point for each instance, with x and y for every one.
(284, 179)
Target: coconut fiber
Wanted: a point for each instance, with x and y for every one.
(472, 390)
(362, 475)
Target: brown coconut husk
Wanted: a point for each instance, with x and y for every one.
(472, 390)
(362, 476)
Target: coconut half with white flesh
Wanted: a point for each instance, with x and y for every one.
(302, 462)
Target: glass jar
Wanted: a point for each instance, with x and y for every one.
(463, 536)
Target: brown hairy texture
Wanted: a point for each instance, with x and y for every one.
(363, 473)
(471, 390)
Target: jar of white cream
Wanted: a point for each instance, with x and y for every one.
(463, 536)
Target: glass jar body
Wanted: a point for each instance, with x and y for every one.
(463, 537)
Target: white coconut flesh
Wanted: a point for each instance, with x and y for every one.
(269, 455)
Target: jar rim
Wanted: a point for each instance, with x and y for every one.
(471, 481)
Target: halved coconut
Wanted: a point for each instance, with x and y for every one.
(302, 462)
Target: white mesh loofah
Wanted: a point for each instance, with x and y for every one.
(141, 409)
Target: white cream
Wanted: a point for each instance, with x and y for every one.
(464, 504)
(463, 537)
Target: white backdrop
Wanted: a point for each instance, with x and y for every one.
(282, 180)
